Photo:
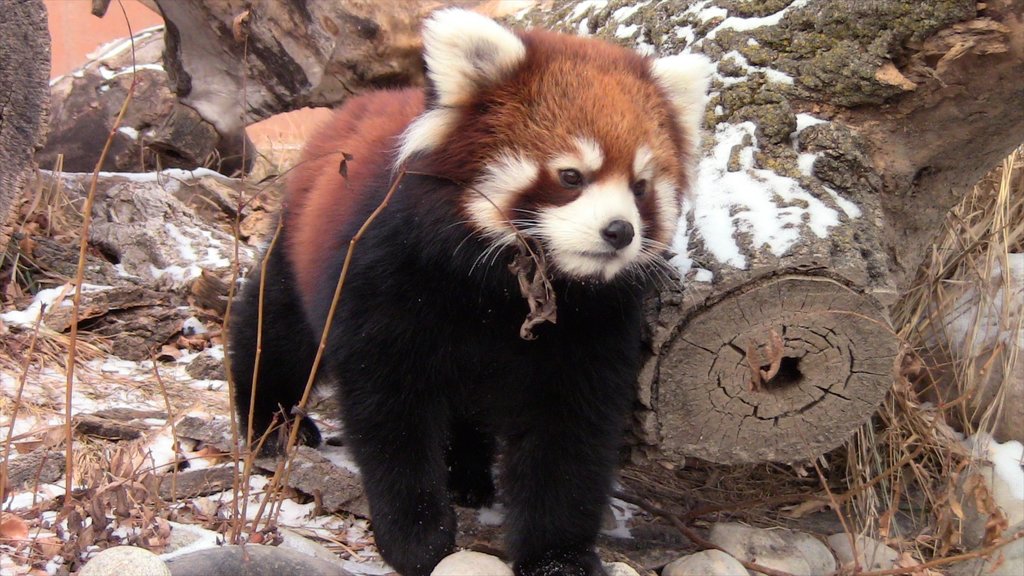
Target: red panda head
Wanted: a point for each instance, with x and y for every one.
(581, 145)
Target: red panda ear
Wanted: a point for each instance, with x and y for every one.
(466, 52)
(685, 78)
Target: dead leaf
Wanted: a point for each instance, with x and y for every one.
(13, 528)
(530, 269)
(804, 508)
(168, 352)
(889, 74)
(239, 26)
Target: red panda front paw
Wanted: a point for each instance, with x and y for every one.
(563, 563)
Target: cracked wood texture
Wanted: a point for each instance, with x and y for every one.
(24, 96)
(833, 366)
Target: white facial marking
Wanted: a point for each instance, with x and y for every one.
(587, 158)
(666, 197)
(426, 132)
(643, 164)
(686, 78)
(573, 231)
(490, 200)
(466, 51)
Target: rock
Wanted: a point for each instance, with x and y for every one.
(195, 483)
(798, 553)
(871, 554)
(469, 563)
(125, 561)
(251, 560)
(187, 538)
(206, 367)
(40, 465)
(92, 425)
(292, 540)
(705, 563)
(153, 236)
(157, 130)
(620, 569)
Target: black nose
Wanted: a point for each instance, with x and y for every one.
(619, 234)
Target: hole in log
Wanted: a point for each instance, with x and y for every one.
(789, 374)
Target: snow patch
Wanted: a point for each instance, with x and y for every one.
(624, 31)
(129, 132)
(625, 12)
(805, 162)
(581, 8)
(744, 24)
(770, 208)
(804, 121)
(59, 296)
(770, 73)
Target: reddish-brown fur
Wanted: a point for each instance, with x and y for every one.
(319, 198)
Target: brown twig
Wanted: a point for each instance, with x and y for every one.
(980, 553)
(83, 246)
(175, 445)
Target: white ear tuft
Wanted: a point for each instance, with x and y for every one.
(465, 52)
(686, 78)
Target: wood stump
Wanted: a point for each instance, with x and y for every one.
(784, 368)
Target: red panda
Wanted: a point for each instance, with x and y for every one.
(578, 147)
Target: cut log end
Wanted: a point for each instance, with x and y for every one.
(782, 371)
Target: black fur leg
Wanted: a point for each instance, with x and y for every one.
(399, 449)
(470, 455)
(286, 357)
(557, 479)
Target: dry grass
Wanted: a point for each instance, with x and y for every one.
(912, 463)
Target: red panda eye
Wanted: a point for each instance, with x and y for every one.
(570, 178)
(639, 188)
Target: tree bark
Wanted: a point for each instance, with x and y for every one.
(839, 133)
(24, 97)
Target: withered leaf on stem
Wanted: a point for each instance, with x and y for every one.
(530, 268)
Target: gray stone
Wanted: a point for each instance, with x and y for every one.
(705, 563)
(251, 560)
(871, 554)
(469, 563)
(125, 561)
(620, 569)
(798, 553)
(299, 543)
